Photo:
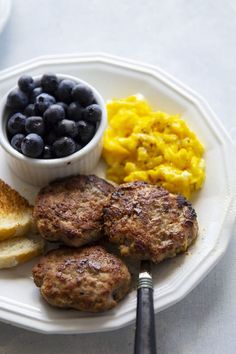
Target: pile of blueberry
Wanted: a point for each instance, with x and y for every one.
(51, 118)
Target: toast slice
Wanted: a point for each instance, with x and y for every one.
(19, 250)
(15, 213)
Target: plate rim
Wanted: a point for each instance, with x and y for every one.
(228, 147)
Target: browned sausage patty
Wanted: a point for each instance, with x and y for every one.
(86, 279)
(148, 222)
(70, 209)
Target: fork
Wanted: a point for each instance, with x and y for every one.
(145, 340)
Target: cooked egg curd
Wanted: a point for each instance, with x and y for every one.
(140, 144)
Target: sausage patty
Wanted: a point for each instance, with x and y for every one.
(148, 222)
(70, 209)
(86, 279)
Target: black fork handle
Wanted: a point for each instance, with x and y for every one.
(145, 339)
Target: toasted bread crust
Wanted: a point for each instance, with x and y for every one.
(18, 229)
(70, 209)
(148, 222)
(11, 202)
(20, 250)
(86, 279)
(15, 213)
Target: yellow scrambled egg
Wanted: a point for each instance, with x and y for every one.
(140, 144)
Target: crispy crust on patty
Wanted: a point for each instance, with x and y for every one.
(70, 210)
(148, 222)
(86, 279)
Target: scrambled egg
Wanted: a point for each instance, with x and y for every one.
(140, 144)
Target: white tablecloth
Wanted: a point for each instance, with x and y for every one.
(195, 41)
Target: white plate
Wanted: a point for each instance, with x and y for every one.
(5, 9)
(20, 301)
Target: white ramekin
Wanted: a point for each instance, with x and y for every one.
(41, 171)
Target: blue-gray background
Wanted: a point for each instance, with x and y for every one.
(195, 42)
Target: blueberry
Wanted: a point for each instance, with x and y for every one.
(17, 99)
(16, 123)
(63, 105)
(29, 110)
(49, 83)
(67, 127)
(86, 131)
(32, 145)
(43, 101)
(26, 83)
(83, 94)
(64, 90)
(64, 146)
(50, 138)
(47, 152)
(78, 147)
(16, 141)
(92, 113)
(75, 111)
(36, 92)
(54, 114)
(34, 125)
